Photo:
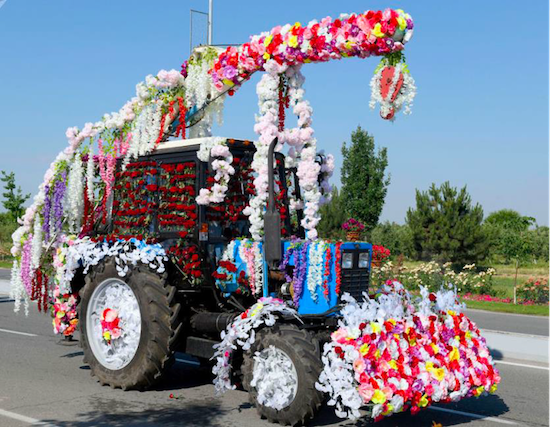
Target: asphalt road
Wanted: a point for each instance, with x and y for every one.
(515, 323)
(43, 382)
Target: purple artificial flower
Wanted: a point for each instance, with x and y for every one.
(229, 72)
(300, 269)
(57, 205)
(46, 212)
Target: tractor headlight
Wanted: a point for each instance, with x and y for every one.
(347, 260)
(364, 260)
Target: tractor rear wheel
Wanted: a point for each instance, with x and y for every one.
(148, 320)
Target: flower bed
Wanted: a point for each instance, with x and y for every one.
(433, 276)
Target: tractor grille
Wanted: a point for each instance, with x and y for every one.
(355, 281)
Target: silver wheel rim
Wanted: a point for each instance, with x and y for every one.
(115, 294)
(274, 378)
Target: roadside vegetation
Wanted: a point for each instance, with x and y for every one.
(498, 262)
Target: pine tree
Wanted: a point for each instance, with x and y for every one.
(446, 226)
(364, 183)
(13, 196)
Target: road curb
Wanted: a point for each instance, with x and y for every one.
(508, 345)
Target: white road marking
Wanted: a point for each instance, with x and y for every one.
(477, 416)
(189, 362)
(18, 333)
(501, 362)
(25, 419)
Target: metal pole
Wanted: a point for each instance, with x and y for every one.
(210, 20)
(190, 32)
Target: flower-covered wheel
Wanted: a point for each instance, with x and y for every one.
(114, 324)
(280, 372)
(128, 326)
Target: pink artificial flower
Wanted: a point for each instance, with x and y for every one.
(339, 335)
(359, 365)
(366, 391)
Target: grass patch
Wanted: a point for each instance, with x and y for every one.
(537, 310)
(6, 264)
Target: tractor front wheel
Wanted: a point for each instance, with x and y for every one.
(280, 372)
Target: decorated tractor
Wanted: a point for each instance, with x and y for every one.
(151, 236)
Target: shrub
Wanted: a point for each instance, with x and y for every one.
(534, 290)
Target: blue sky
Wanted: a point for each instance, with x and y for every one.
(480, 118)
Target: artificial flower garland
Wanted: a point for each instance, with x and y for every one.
(241, 332)
(362, 35)
(217, 149)
(395, 353)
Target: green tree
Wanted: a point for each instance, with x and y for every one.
(332, 217)
(509, 218)
(13, 196)
(397, 238)
(540, 237)
(511, 237)
(364, 182)
(446, 226)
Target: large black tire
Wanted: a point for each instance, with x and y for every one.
(160, 325)
(303, 350)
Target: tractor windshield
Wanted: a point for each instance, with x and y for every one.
(227, 221)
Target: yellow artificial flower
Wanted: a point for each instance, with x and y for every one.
(267, 40)
(389, 410)
(439, 374)
(423, 401)
(435, 348)
(377, 354)
(293, 41)
(454, 354)
(451, 312)
(393, 364)
(267, 56)
(378, 397)
(257, 309)
(107, 336)
(60, 314)
(364, 349)
(375, 327)
(468, 334)
(392, 321)
(429, 366)
(493, 388)
(297, 25)
(228, 82)
(480, 389)
(377, 31)
(402, 23)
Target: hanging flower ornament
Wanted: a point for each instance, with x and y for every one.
(392, 87)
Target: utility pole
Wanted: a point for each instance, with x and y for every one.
(210, 20)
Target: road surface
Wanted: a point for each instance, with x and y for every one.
(43, 382)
